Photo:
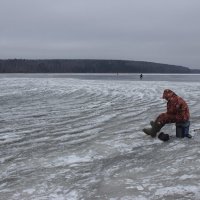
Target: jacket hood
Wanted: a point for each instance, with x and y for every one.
(167, 94)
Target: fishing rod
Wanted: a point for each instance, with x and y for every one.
(195, 130)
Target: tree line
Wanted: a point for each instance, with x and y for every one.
(87, 66)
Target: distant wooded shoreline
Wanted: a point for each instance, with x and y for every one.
(88, 66)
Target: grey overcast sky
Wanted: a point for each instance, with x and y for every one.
(165, 31)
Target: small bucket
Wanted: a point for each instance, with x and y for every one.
(182, 129)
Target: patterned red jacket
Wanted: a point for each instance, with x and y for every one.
(176, 106)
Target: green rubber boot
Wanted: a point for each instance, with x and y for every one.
(147, 131)
(153, 130)
(152, 123)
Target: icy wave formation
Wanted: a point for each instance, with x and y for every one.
(63, 138)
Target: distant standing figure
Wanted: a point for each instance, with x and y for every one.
(141, 76)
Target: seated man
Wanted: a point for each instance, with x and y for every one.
(177, 111)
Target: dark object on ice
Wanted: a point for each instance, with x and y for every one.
(164, 137)
(182, 129)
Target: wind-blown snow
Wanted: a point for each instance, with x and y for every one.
(79, 137)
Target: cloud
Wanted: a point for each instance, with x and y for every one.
(156, 30)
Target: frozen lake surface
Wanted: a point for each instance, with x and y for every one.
(79, 137)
